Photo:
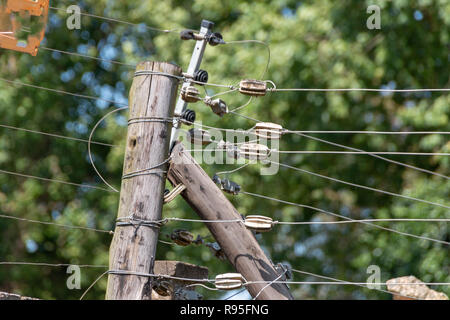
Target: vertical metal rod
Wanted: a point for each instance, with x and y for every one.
(194, 65)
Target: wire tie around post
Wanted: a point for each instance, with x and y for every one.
(149, 119)
(156, 73)
(147, 171)
(135, 222)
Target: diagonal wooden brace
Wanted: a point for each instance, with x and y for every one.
(238, 243)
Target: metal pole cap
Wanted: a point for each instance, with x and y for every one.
(207, 24)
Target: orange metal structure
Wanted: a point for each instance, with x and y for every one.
(12, 14)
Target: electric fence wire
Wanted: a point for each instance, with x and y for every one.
(360, 186)
(165, 220)
(360, 285)
(27, 176)
(375, 156)
(359, 89)
(131, 66)
(277, 151)
(369, 132)
(56, 224)
(274, 89)
(19, 83)
(119, 21)
(259, 42)
(361, 153)
(344, 217)
(44, 264)
(357, 150)
(56, 135)
(89, 146)
(347, 183)
(59, 91)
(392, 153)
(201, 282)
(212, 281)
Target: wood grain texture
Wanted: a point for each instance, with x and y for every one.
(238, 243)
(132, 248)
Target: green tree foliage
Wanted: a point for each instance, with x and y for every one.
(314, 44)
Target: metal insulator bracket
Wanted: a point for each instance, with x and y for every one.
(182, 237)
(199, 136)
(190, 94)
(268, 130)
(162, 287)
(254, 151)
(216, 250)
(169, 196)
(258, 223)
(254, 88)
(229, 281)
(284, 268)
(227, 185)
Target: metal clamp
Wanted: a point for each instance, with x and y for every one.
(218, 106)
(227, 185)
(182, 237)
(190, 94)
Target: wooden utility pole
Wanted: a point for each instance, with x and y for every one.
(152, 98)
(238, 243)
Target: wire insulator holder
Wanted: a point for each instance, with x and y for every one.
(201, 76)
(188, 117)
(258, 223)
(229, 281)
(214, 39)
(218, 106)
(190, 35)
(268, 130)
(254, 151)
(182, 237)
(190, 94)
(253, 88)
(199, 136)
